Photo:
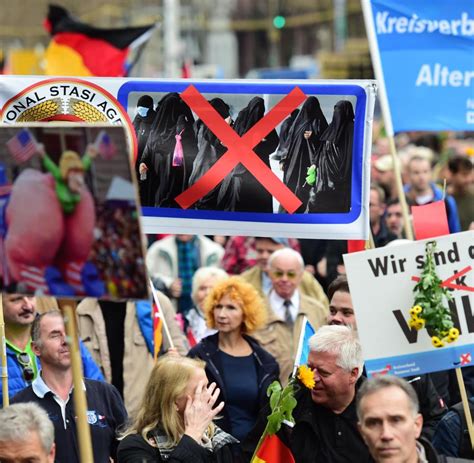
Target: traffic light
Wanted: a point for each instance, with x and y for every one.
(279, 22)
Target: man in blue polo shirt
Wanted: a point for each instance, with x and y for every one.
(19, 313)
(53, 391)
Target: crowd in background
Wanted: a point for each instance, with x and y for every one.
(235, 307)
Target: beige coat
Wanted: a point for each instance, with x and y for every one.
(137, 360)
(277, 338)
(308, 286)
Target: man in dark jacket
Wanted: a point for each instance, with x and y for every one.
(341, 312)
(387, 408)
(325, 417)
(53, 391)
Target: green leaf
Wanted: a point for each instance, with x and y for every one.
(274, 399)
(275, 386)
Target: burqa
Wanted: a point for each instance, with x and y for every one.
(284, 130)
(297, 151)
(332, 192)
(166, 180)
(142, 124)
(240, 190)
(210, 149)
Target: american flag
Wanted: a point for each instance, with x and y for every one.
(22, 146)
(105, 146)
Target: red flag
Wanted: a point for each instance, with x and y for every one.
(273, 450)
(430, 220)
(355, 246)
(77, 49)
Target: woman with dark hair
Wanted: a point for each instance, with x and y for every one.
(300, 145)
(332, 191)
(210, 149)
(235, 361)
(169, 170)
(240, 190)
(142, 124)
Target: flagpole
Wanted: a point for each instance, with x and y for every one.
(162, 315)
(300, 345)
(79, 395)
(465, 405)
(387, 117)
(3, 353)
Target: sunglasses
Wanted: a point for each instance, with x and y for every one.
(25, 362)
(291, 274)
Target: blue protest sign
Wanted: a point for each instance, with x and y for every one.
(424, 51)
(237, 157)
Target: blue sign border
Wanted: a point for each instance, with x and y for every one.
(280, 88)
(444, 358)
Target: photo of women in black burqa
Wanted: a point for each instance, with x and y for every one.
(300, 145)
(332, 191)
(240, 190)
(210, 149)
(284, 130)
(166, 178)
(142, 124)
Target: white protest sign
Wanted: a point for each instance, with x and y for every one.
(381, 283)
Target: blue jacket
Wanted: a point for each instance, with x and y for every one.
(451, 208)
(16, 382)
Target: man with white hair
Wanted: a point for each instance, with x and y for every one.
(287, 308)
(325, 428)
(325, 416)
(26, 435)
(390, 423)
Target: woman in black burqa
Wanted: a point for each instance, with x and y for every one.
(300, 145)
(240, 190)
(210, 150)
(142, 124)
(284, 130)
(332, 191)
(168, 178)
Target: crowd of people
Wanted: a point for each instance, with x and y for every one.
(234, 307)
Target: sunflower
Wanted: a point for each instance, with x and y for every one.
(306, 376)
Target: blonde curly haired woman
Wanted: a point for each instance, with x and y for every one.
(174, 423)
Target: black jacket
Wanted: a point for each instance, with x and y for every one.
(267, 370)
(433, 457)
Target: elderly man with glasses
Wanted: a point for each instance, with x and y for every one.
(22, 364)
(287, 308)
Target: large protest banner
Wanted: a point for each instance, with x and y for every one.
(381, 283)
(69, 220)
(423, 56)
(228, 157)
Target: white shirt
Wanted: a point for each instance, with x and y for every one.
(40, 388)
(277, 304)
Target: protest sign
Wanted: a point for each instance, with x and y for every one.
(69, 214)
(422, 55)
(381, 283)
(236, 161)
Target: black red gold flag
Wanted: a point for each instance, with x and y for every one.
(77, 49)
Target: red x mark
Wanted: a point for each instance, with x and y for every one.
(448, 283)
(240, 149)
(465, 359)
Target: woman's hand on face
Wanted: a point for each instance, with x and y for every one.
(199, 412)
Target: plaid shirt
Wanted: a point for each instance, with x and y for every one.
(188, 263)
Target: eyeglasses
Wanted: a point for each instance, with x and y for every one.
(291, 274)
(25, 362)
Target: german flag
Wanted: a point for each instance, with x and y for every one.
(77, 49)
(273, 450)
